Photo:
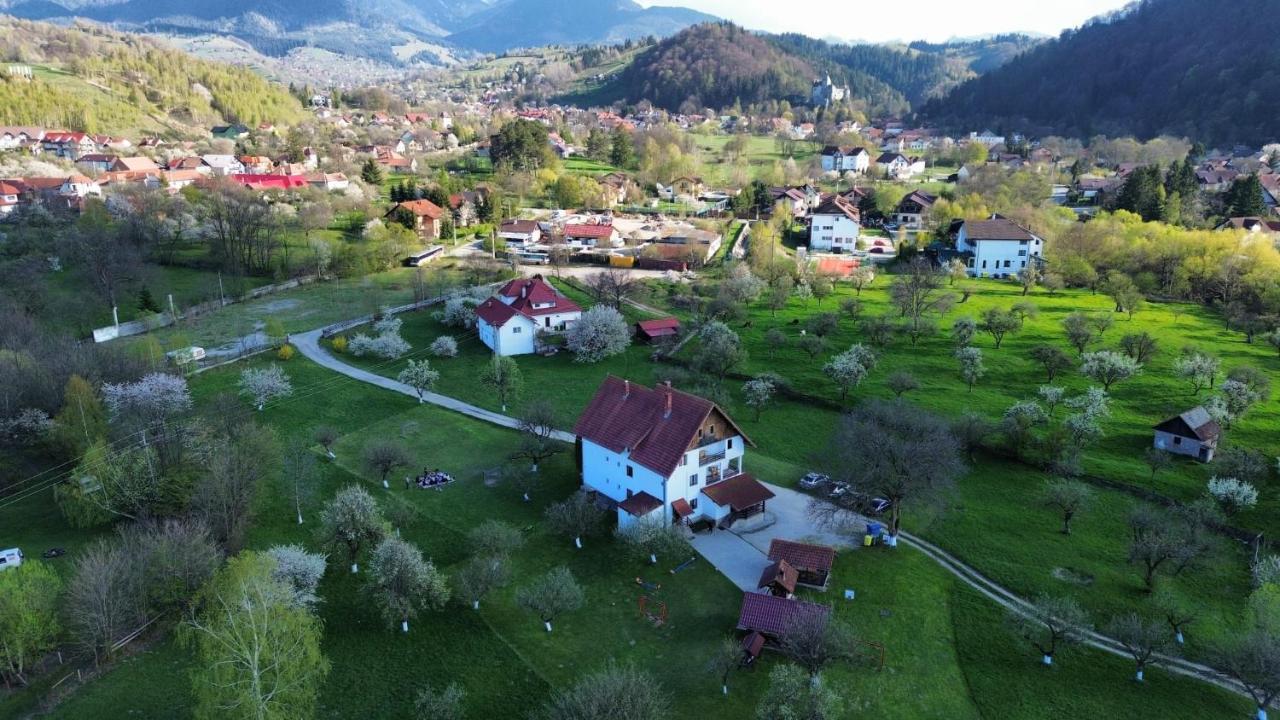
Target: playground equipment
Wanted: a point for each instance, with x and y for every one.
(682, 565)
(655, 611)
(651, 587)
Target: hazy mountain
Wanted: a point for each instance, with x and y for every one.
(1183, 67)
(533, 23)
(371, 27)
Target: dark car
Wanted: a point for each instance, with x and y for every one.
(813, 480)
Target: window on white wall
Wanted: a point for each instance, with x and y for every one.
(693, 480)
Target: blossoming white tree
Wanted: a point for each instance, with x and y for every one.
(264, 385)
(600, 333)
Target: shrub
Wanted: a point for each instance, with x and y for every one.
(286, 352)
(339, 344)
(444, 347)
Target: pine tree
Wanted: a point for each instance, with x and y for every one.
(1244, 199)
(370, 172)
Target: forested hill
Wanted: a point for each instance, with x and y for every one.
(868, 68)
(96, 80)
(1204, 70)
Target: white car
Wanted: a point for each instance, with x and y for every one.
(813, 480)
(10, 558)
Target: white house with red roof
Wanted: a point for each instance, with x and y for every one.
(998, 247)
(509, 322)
(9, 195)
(662, 455)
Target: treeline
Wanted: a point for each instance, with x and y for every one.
(147, 77)
(1178, 67)
(713, 65)
(876, 72)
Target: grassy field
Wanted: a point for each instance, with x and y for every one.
(946, 655)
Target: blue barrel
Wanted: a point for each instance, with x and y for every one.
(874, 529)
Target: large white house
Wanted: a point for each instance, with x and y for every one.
(998, 247)
(835, 226)
(845, 159)
(662, 455)
(510, 321)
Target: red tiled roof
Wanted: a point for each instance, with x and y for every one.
(518, 226)
(527, 293)
(7, 189)
(272, 182)
(738, 492)
(588, 231)
(640, 504)
(495, 312)
(682, 507)
(779, 573)
(772, 615)
(752, 644)
(839, 206)
(659, 328)
(802, 556)
(423, 208)
(657, 425)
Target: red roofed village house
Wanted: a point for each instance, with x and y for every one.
(426, 217)
(666, 456)
(509, 322)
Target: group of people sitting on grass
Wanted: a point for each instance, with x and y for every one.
(432, 478)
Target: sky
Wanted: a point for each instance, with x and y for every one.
(933, 20)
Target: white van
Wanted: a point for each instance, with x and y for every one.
(10, 558)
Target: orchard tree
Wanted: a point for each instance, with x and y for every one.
(758, 394)
(384, 456)
(494, 537)
(813, 641)
(419, 376)
(775, 340)
(971, 367)
(997, 323)
(725, 658)
(1080, 331)
(1140, 346)
(1254, 662)
(917, 293)
(1019, 423)
(1051, 624)
(551, 595)
(1157, 460)
(1232, 495)
(576, 517)
(1051, 359)
(1029, 277)
(325, 436)
(402, 583)
(481, 575)
(793, 695)
(300, 571)
(264, 385)
(538, 434)
(352, 521)
(1109, 368)
(647, 538)
(447, 704)
(1144, 639)
(719, 350)
(1178, 612)
(1198, 368)
(901, 382)
(848, 369)
(300, 473)
(963, 330)
(502, 375)
(1069, 498)
(601, 332)
(617, 692)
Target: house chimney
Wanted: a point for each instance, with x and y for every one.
(626, 392)
(668, 413)
(524, 290)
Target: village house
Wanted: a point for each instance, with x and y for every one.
(522, 232)
(223, 165)
(615, 187)
(591, 236)
(465, 206)
(664, 456)
(685, 243)
(913, 210)
(68, 145)
(835, 226)
(426, 217)
(1193, 433)
(509, 322)
(681, 188)
(96, 162)
(986, 137)
(997, 247)
(270, 182)
(9, 198)
(137, 164)
(896, 166)
(845, 159)
(21, 138)
(328, 181)
(256, 164)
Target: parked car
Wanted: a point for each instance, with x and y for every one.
(10, 558)
(813, 480)
(867, 505)
(838, 489)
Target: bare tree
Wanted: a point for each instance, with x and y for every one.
(1069, 498)
(1254, 661)
(325, 436)
(481, 574)
(812, 641)
(727, 657)
(918, 293)
(102, 601)
(898, 452)
(1053, 623)
(234, 469)
(384, 456)
(611, 287)
(1144, 639)
(552, 595)
(537, 429)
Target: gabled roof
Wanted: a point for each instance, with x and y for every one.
(1194, 423)
(998, 228)
(837, 205)
(779, 573)
(135, 163)
(422, 208)
(772, 615)
(738, 492)
(528, 293)
(496, 313)
(640, 504)
(919, 197)
(802, 556)
(522, 227)
(659, 328)
(656, 425)
(588, 231)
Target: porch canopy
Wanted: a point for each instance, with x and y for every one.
(640, 504)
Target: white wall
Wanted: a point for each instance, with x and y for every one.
(835, 233)
(513, 338)
(993, 258)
